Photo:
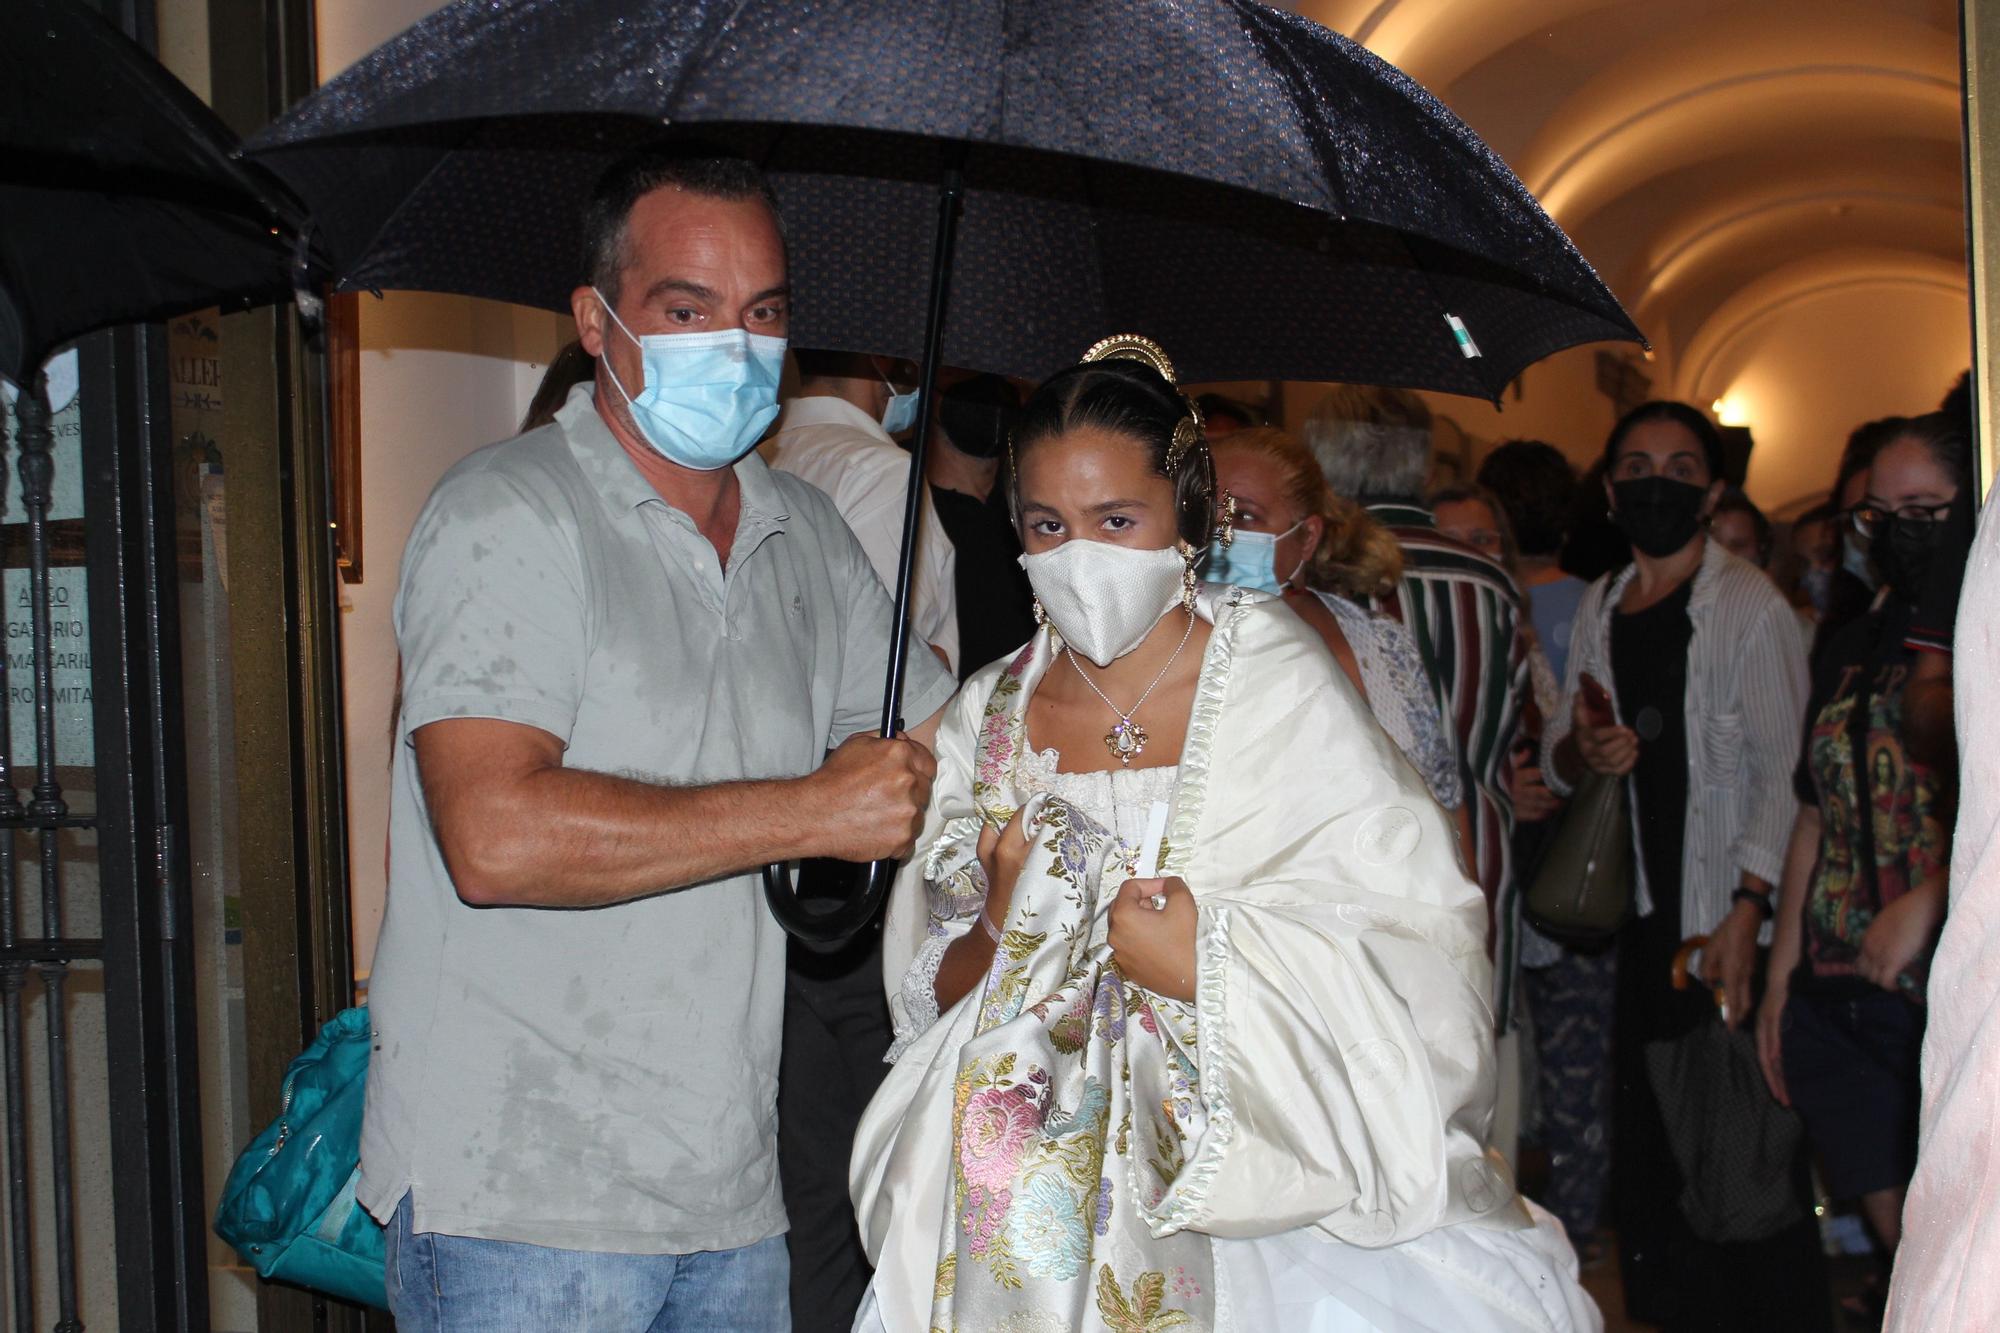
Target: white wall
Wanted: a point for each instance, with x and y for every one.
(1559, 403)
(440, 376)
(1807, 373)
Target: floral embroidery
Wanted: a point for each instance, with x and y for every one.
(984, 1211)
(998, 1124)
(1032, 1321)
(1109, 1012)
(1002, 726)
(1046, 1229)
(1054, 1079)
(1142, 1312)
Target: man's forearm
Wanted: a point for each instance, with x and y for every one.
(564, 837)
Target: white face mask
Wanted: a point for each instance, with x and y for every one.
(1104, 599)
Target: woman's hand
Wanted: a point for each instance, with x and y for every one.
(1154, 946)
(1002, 853)
(1609, 750)
(1771, 1037)
(1900, 933)
(1533, 801)
(1730, 957)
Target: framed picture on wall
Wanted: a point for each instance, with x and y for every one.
(343, 358)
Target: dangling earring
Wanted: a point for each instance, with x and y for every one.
(1041, 616)
(1227, 535)
(1188, 580)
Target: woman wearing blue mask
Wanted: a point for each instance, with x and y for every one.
(1292, 536)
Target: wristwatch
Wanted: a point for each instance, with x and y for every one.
(1762, 900)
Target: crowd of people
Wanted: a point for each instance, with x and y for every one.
(1212, 992)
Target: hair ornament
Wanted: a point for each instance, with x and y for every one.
(1188, 432)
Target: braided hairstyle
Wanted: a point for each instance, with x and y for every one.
(1128, 397)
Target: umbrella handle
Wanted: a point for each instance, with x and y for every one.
(1683, 974)
(825, 931)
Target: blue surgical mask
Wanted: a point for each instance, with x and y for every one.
(1854, 559)
(708, 397)
(901, 412)
(1250, 561)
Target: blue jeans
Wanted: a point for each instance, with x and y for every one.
(462, 1284)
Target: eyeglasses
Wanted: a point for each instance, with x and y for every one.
(1868, 519)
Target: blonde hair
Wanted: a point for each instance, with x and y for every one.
(1356, 557)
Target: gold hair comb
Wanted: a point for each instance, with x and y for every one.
(1137, 347)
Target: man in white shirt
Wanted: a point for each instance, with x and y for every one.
(833, 435)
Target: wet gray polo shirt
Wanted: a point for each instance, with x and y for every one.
(606, 1078)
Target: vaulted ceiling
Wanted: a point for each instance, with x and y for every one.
(1774, 188)
(1716, 159)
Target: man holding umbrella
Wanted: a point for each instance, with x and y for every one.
(627, 645)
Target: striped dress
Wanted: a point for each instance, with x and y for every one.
(1468, 620)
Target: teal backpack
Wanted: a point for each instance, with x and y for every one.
(288, 1206)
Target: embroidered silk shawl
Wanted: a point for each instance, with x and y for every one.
(1054, 1151)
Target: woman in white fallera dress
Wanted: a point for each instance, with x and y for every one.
(1187, 980)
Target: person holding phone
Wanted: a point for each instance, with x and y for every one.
(1703, 687)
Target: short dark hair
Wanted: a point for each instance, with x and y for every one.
(1537, 487)
(1691, 419)
(702, 170)
(1863, 443)
(1734, 501)
(1127, 398)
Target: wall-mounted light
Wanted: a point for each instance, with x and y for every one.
(1730, 410)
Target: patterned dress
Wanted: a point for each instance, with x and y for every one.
(1399, 694)
(1296, 1149)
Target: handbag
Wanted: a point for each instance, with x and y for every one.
(288, 1206)
(1582, 890)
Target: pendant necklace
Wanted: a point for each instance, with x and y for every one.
(1127, 740)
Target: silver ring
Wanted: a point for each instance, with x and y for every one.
(1158, 902)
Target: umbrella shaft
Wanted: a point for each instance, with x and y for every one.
(950, 194)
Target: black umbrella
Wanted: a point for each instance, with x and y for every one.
(121, 195)
(1261, 195)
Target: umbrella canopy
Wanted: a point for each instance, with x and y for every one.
(1261, 195)
(989, 183)
(121, 196)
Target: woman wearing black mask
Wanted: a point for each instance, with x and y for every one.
(1841, 1025)
(1702, 658)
